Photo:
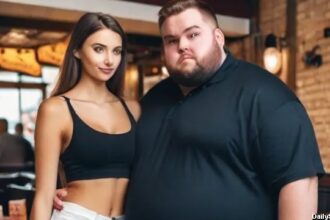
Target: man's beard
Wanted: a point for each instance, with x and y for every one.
(200, 73)
(194, 78)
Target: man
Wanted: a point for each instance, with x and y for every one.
(16, 153)
(221, 138)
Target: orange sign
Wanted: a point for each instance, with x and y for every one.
(20, 60)
(53, 53)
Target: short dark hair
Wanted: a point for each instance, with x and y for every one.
(3, 125)
(174, 7)
(70, 72)
(19, 127)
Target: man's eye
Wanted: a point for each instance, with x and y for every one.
(193, 35)
(172, 41)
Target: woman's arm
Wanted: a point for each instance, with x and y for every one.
(48, 142)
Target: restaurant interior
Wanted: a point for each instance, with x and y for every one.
(290, 38)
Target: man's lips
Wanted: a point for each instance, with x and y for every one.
(185, 57)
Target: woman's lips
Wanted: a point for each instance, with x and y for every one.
(106, 70)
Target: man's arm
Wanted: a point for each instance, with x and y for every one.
(298, 199)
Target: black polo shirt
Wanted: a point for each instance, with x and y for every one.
(222, 152)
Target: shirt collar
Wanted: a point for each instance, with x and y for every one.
(220, 74)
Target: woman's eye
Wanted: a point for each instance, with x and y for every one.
(117, 51)
(98, 49)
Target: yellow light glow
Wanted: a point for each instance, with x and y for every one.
(272, 60)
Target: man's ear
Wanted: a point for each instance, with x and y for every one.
(220, 38)
(76, 54)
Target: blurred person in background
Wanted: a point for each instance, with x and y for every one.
(19, 129)
(15, 151)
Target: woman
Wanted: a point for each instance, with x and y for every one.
(87, 126)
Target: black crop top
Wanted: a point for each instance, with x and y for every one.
(92, 154)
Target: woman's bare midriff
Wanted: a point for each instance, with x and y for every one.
(104, 196)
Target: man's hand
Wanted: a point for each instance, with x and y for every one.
(59, 195)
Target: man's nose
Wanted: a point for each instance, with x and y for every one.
(183, 45)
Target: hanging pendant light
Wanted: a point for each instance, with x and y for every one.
(272, 55)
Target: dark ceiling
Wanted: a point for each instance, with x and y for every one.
(35, 28)
(236, 8)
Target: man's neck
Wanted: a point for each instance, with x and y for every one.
(186, 90)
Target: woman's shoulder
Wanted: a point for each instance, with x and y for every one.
(52, 105)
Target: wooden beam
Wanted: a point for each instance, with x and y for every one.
(40, 24)
(291, 38)
(22, 85)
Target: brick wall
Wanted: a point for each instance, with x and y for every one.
(312, 84)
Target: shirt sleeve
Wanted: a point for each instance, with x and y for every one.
(287, 148)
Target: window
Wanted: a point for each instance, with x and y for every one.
(29, 103)
(9, 107)
(20, 96)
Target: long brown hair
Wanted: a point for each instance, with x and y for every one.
(71, 69)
